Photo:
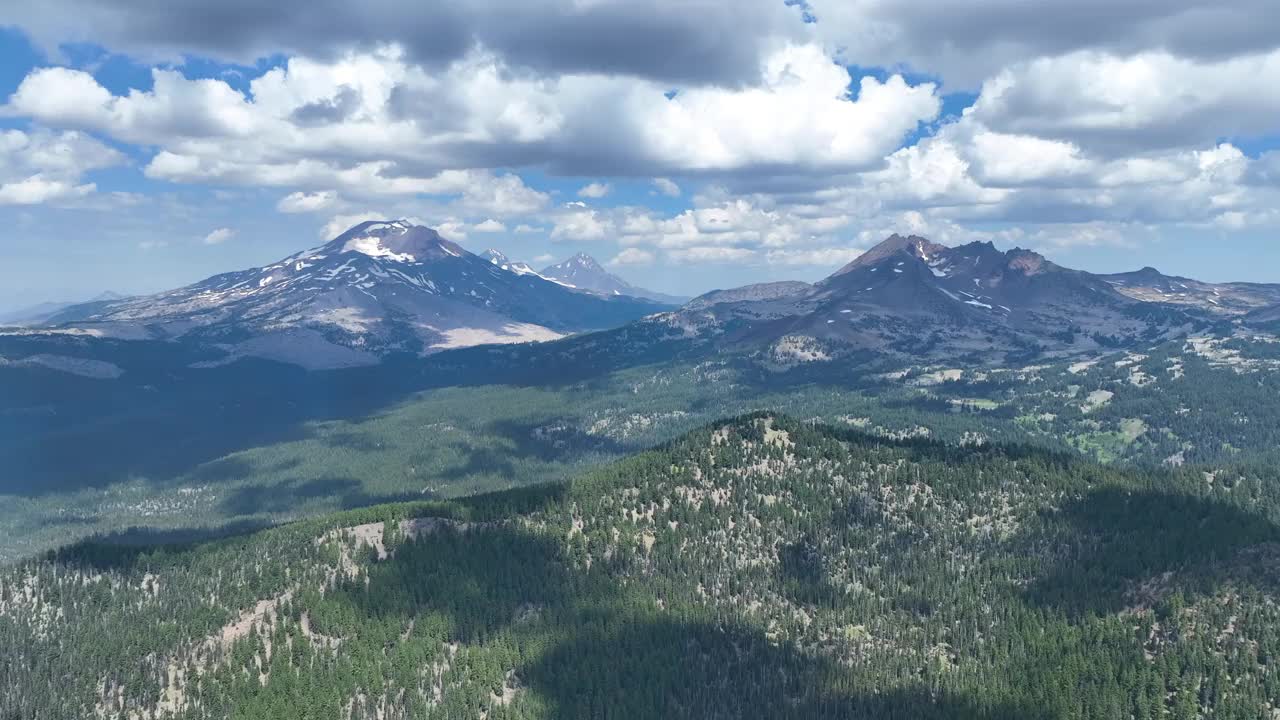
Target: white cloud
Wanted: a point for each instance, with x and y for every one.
(1003, 159)
(373, 123)
(581, 224)
(966, 41)
(704, 254)
(594, 190)
(489, 226)
(44, 167)
(219, 236)
(820, 257)
(452, 229)
(666, 187)
(544, 258)
(339, 224)
(302, 202)
(1121, 104)
(632, 256)
(1081, 134)
(35, 190)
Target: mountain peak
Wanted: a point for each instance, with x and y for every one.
(495, 256)
(583, 260)
(583, 272)
(914, 245)
(1029, 262)
(397, 240)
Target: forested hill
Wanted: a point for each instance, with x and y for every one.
(757, 568)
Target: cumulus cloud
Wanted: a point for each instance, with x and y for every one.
(302, 202)
(710, 254)
(581, 224)
(375, 124)
(966, 41)
(832, 257)
(219, 236)
(632, 256)
(552, 36)
(43, 167)
(1082, 133)
(594, 190)
(1124, 104)
(666, 187)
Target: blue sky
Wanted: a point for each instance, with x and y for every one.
(148, 148)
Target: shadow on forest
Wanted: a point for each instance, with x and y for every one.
(713, 670)
(1116, 547)
(611, 653)
(340, 493)
(543, 439)
(122, 550)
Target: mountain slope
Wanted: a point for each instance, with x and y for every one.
(1268, 316)
(40, 313)
(760, 567)
(1233, 298)
(583, 272)
(380, 287)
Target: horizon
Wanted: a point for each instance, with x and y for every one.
(632, 277)
(140, 157)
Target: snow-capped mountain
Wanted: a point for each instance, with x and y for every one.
(583, 272)
(507, 263)
(1233, 298)
(913, 297)
(379, 287)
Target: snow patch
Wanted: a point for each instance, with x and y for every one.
(373, 247)
(508, 334)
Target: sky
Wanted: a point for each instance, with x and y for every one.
(686, 144)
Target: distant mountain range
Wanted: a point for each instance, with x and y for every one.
(583, 272)
(378, 288)
(391, 287)
(914, 298)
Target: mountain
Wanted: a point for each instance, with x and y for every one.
(508, 264)
(1233, 298)
(378, 288)
(914, 298)
(583, 272)
(759, 567)
(41, 312)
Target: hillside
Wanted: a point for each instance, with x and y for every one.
(756, 568)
